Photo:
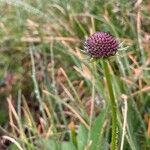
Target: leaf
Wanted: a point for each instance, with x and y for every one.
(50, 144)
(82, 137)
(13, 147)
(96, 130)
(67, 146)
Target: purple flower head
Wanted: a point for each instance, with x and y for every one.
(101, 45)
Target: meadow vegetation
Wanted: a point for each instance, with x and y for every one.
(52, 96)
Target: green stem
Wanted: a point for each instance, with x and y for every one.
(113, 106)
(74, 138)
(73, 133)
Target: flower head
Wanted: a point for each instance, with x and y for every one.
(101, 45)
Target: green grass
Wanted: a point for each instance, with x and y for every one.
(52, 96)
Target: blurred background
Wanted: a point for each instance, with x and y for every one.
(52, 97)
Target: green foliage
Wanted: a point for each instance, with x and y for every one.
(50, 144)
(97, 131)
(67, 146)
(82, 137)
(13, 147)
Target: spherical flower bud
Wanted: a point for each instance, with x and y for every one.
(101, 45)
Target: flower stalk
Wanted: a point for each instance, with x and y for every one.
(113, 105)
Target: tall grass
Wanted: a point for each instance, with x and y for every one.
(55, 96)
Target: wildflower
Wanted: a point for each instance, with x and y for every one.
(101, 45)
